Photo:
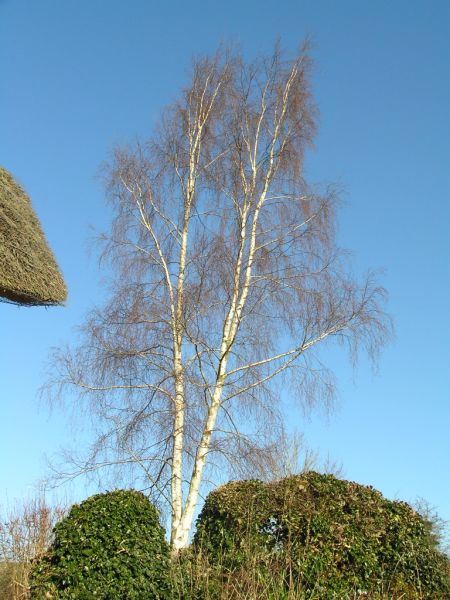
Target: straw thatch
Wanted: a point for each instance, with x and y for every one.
(29, 274)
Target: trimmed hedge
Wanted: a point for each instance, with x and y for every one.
(110, 546)
(325, 536)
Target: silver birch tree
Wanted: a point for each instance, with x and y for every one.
(225, 278)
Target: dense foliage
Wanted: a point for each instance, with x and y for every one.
(309, 536)
(323, 536)
(110, 546)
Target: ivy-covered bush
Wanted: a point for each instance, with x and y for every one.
(327, 537)
(110, 546)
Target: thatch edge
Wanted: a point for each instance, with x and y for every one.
(29, 274)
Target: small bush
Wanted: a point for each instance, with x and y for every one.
(110, 546)
(323, 537)
(25, 534)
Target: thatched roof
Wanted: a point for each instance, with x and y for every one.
(29, 274)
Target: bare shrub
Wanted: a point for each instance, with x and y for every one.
(25, 534)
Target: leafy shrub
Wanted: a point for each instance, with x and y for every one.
(325, 536)
(109, 546)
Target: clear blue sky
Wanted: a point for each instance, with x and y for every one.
(77, 78)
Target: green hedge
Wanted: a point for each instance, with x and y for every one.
(326, 537)
(110, 546)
